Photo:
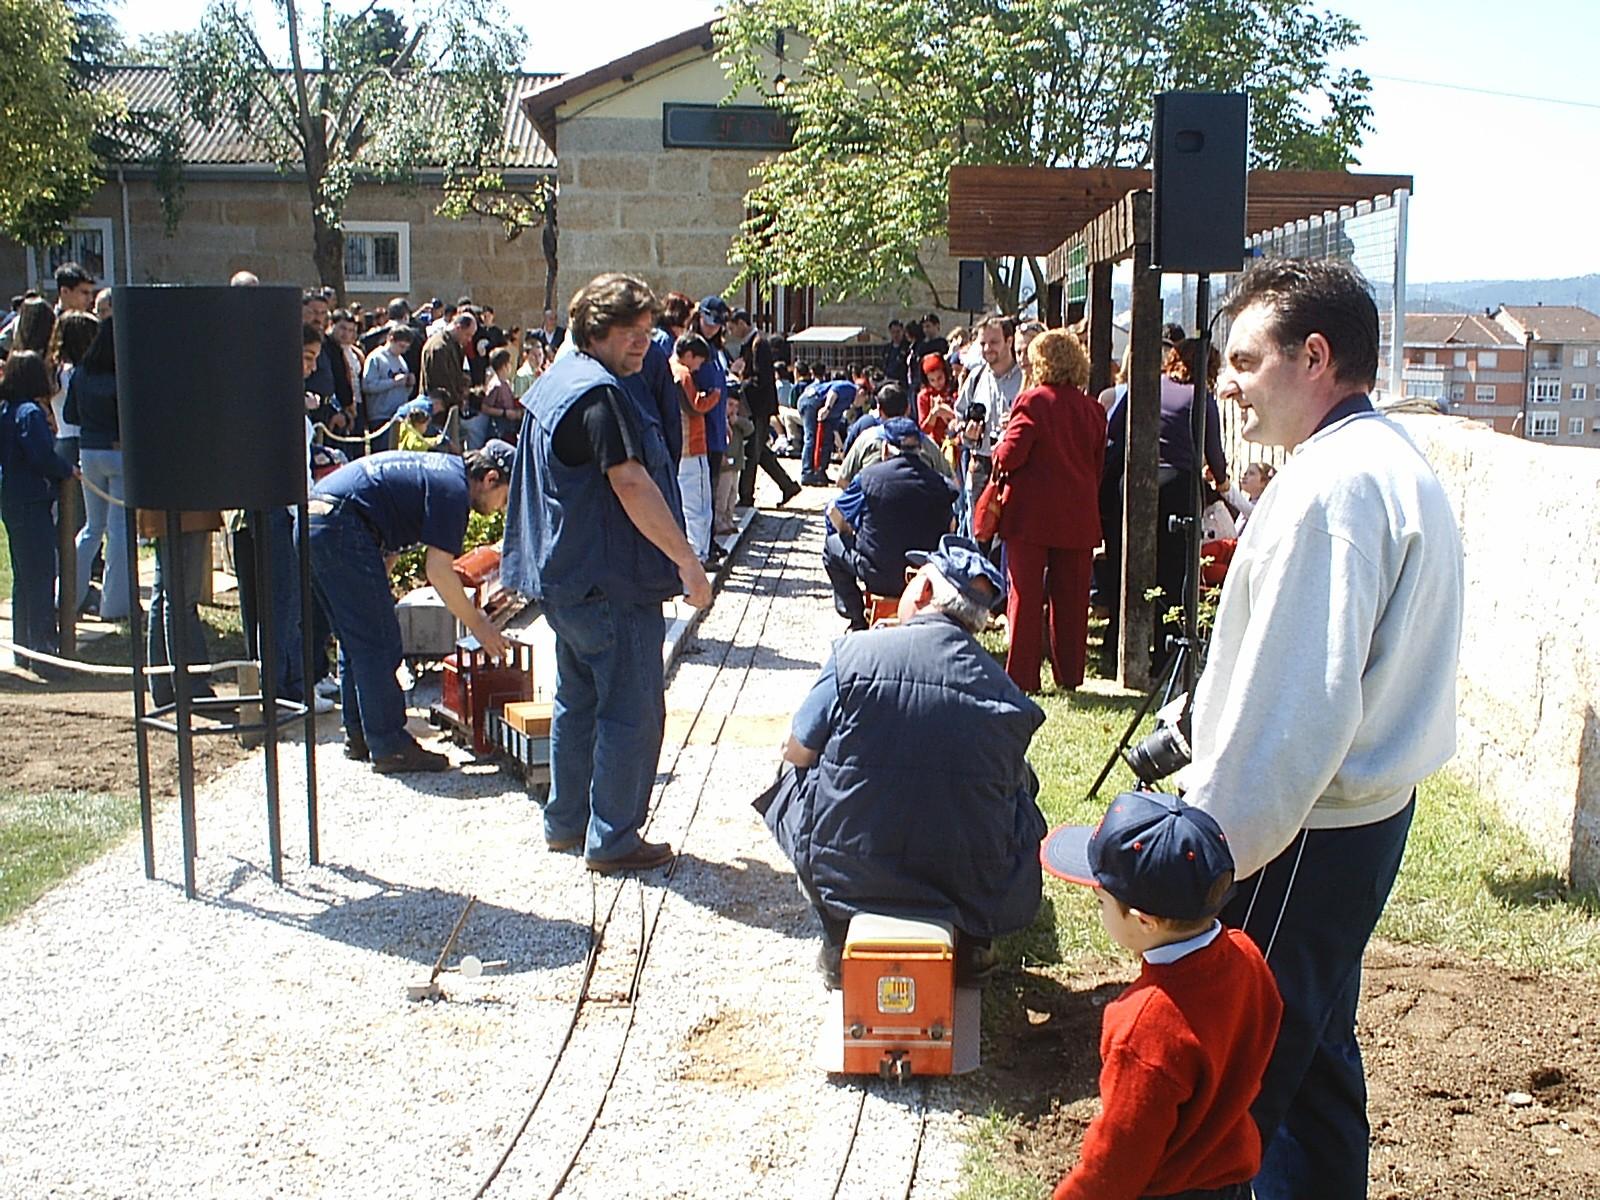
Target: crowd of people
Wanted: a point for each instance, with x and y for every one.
(1326, 695)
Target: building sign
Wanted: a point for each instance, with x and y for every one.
(1077, 274)
(725, 127)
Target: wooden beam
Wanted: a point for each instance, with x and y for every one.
(1140, 474)
(1099, 327)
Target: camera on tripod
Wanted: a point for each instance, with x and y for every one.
(1165, 751)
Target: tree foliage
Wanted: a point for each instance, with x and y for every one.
(375, 95)
(49, 123)
(888, 96)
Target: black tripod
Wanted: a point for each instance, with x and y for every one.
(1187, 649)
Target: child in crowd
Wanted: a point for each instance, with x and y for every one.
(1243, 496)
(1184, 1048)
(500, 403)
(936, 400)
(689, 353)
(740, 427)
(414, 416)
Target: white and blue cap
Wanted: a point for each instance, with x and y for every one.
(412, 408)
(961, 562)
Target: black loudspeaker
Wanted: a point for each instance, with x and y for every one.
(969, 287)
(1200, 141)
(211, 396)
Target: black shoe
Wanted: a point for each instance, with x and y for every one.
(830, 963)
(412, 758)
(788, 495)
(355, 748)
(641, 858)
(976, 961)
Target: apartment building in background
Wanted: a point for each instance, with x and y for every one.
(1563, 343)
(1469, 364)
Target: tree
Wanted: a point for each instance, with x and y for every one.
(889, 96)
(51, 169)
(362, 96)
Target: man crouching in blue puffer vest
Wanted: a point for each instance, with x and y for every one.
(872, 807)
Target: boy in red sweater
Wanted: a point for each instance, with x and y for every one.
(1184, 1047)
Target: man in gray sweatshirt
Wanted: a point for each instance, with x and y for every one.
(1328, 693)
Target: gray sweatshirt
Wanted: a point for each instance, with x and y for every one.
(1329, 691)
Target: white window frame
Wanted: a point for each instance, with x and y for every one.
(1484, 393)
(1580, 358)
(1460, 358)
(1544, 391)
(1543, 425)
(1488, 360)
(106, 228)
(1580, 391)
(1458, 393)
(1575, 427)
(393, 287)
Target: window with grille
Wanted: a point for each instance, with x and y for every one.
(377, 256)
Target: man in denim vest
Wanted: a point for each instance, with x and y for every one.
(591, 533)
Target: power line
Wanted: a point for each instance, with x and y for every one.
(1461, 87)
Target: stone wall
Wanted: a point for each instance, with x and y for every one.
(669, 216)
(262, 224)
(1529, 684)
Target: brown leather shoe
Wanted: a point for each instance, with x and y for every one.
(641, 858)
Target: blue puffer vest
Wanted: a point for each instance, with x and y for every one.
(566, 533)
(908, 506)
(923, 802)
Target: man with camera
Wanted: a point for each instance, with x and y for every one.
(1328, 693)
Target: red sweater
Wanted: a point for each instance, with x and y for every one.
(1184, 1049)
(1054, 450)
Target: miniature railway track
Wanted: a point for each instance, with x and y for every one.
(779, 548)
(849, 1156)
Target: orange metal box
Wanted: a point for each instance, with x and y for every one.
(531, 718)
(899, 993)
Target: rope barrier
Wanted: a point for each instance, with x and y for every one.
(86, 668)
(365, 439)
(102, 493)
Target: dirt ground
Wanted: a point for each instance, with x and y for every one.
(82, 740)
(1448, 1045)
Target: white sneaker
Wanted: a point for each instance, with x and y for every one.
(328, 688)
(321, 704)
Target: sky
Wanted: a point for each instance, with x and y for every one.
(1506, 188)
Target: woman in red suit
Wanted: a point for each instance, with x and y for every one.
(1051, 455)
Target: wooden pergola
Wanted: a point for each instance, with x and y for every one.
(1100, 216)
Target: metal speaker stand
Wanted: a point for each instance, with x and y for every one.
(178, 717)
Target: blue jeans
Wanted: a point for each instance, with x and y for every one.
(103, 468)
(281, 605)
(31, 536)
(351, 581)
(810, 469)
(1312, 1109)
(606, 728)
(169, 614)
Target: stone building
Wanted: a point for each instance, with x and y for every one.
(241, 213)
(653, 171)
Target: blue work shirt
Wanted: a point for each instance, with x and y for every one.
(407, 498)
(862, 423)
(850, 502)
(818, 712)
(712, 375)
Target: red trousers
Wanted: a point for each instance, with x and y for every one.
(1034, 574)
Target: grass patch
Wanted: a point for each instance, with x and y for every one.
(44, 838)
(982, 1175)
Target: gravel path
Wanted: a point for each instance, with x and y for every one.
(257, 1042)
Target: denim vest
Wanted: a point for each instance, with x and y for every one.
(923, 802)
(908, 506)
(567, 535)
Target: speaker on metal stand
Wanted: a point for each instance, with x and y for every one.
(210, 400)
(1200, 142)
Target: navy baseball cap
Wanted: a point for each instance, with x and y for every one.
(1151, 851)
(903, 432)
(500, 455)
(961, 562)
(714, 308)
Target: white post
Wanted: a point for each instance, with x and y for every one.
(1402, 203)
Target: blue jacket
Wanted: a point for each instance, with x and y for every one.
(923, 802)
(567, 535)
(29, 465)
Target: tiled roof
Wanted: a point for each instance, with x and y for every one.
(151, 88)
(1465, 329)
(1555, 322)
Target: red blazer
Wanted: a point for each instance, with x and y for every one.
(1053, 451)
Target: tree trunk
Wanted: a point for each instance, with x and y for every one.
(327, 251)
(1005, 290)
(549, 239)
